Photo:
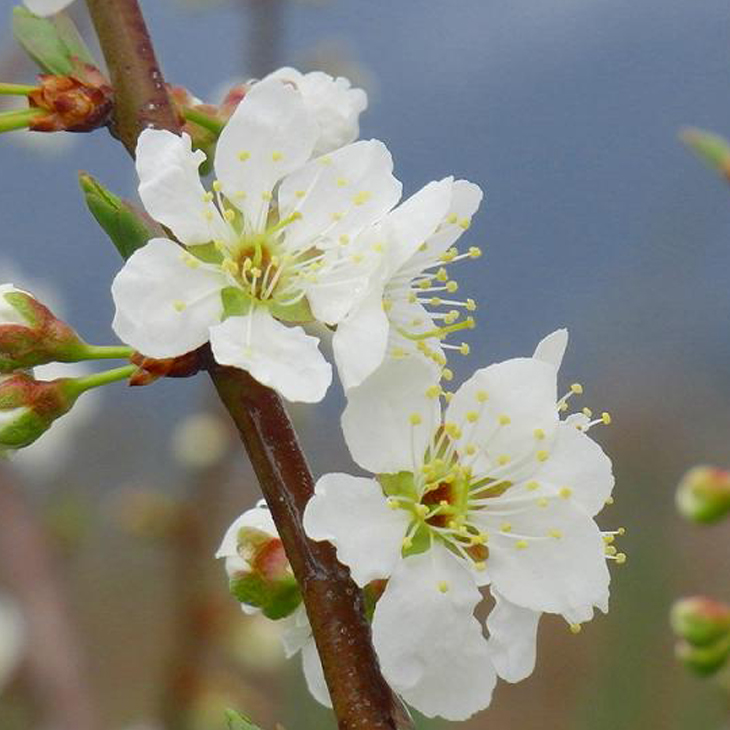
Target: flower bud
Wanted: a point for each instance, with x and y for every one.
(258, 569)
(31, 335)
(703, 494)
(28, 407)
(704, 660)
(700, 621)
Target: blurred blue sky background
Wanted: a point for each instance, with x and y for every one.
(596, 218)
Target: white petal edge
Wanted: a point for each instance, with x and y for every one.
(552, 348)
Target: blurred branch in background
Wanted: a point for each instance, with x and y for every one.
(55, 666)
(262, 48)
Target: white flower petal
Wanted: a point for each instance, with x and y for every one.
(377, 420)
(414, 221)
(295, 631)
(8, 313)
(552, 348)
(551, 558)
(259, 518)
(314, 674)
(512, 639)
(430, 646)
(353, 514)
(284, 358)
(335, 106)
(165, 305)
(578, 462)
(268, 136)
(44, 8)
(170, 187)
(360, 341)
(339, 194)
(521, 397)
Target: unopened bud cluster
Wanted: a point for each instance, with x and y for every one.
(703, 494)
(703, 627)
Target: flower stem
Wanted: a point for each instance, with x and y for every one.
(19, 119)
(96, 380)
(204, 120)
(106, 352)
(334, 604)
(16, 89)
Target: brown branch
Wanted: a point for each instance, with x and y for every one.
(360, 695)
(55, 668)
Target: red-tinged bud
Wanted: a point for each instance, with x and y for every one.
(700, 621)
(28, 407)
(704, 660)
(31, 335)
(79, 103)
(703, 494)
(232, 99)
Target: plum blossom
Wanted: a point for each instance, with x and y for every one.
(408, 307)
(498, 491)
(332, 102)
(46, 7)
(261, 250)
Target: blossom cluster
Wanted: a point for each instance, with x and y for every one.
(486, 493)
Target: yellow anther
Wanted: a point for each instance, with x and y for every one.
(465, 223)
(239, 194)
(621, 531)
(300, 193)
(447, 374)
(471, 449)
(277, 156)
(378, 247)
(475, 252)
(416, 419)
(344, 239)
(587, 412)
(471, 305)
(451, 316)
(435, 301)
(442, 275)
(521, 544)
(532, 486)
(609, 501)
(470, 323)
(423, 247)
(565, 492)
(610, 550)
(478, 539)
(606, 418)
(482, 396)
(563, 407)
(387, 305)
(453, 218)
(229, 215)
(543, 502)
(439, 359)
(452, 286)
(433, 391)
(503, 460)
(608, 539)
(506, 527)
(341, 182)
(472, 416)
(449, 255)
(243, 156)
(539, 434)
(480, 566)
(576, 388)
(620, 558)
(464, 349)
(356, 258)
(575, 628)
(504, 420)
(217, 186)
(443, 586)
(542, 455)
(179, 305)
(362, 197)
(337, 216)
(208, 198)
(557, 534)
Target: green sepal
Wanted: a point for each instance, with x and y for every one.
(128, 228)
(55, 44)
(235, 302)
(704, 660)
(399, 485)
(25, 305)
(299, 313)
(700, 621)
(420, 542)
(276, 599)
(237, 721)
(206, 252)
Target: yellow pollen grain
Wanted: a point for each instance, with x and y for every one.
(452, 286)
(606, 418)
(480, 566)
(464, 223)
(277, 156)
(300, 193)
(442, 275)
(415, 419)
(610, 550)
(532, 486)
(539, 434)
(504, 420)
(341, 182)
(464, 349)
(472, 416)
(621, 558)
(208, 198)
(344, 239)
(587, 412)
(243, 156)
(565, 492)
(503, 460)
(475, 252)
(453, 218)
(576, 388)
(482, 396)
(609, 501)
(217, 186)
(575, 628)
(608, 539)
(179, 305)
(621, 531)
(471, 305)
(542, 455)
(557, 534)
(506, 527)
(447, 374)
(543, 502)
(433, 391)
(378, 247)
(362, 197)
(521, 544)
(443, 586)
(471, 449)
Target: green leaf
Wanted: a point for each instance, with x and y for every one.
(276, 599)
(237, 721)
(128, 228)
(53, 43)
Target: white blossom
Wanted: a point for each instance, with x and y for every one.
(498, 491)
(261, 250)
(409, 307)
(332, 102)
(46, 7)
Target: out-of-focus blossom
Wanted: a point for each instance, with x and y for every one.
(703, 494)
(201, 440)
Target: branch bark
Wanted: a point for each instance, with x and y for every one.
(361, 697)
